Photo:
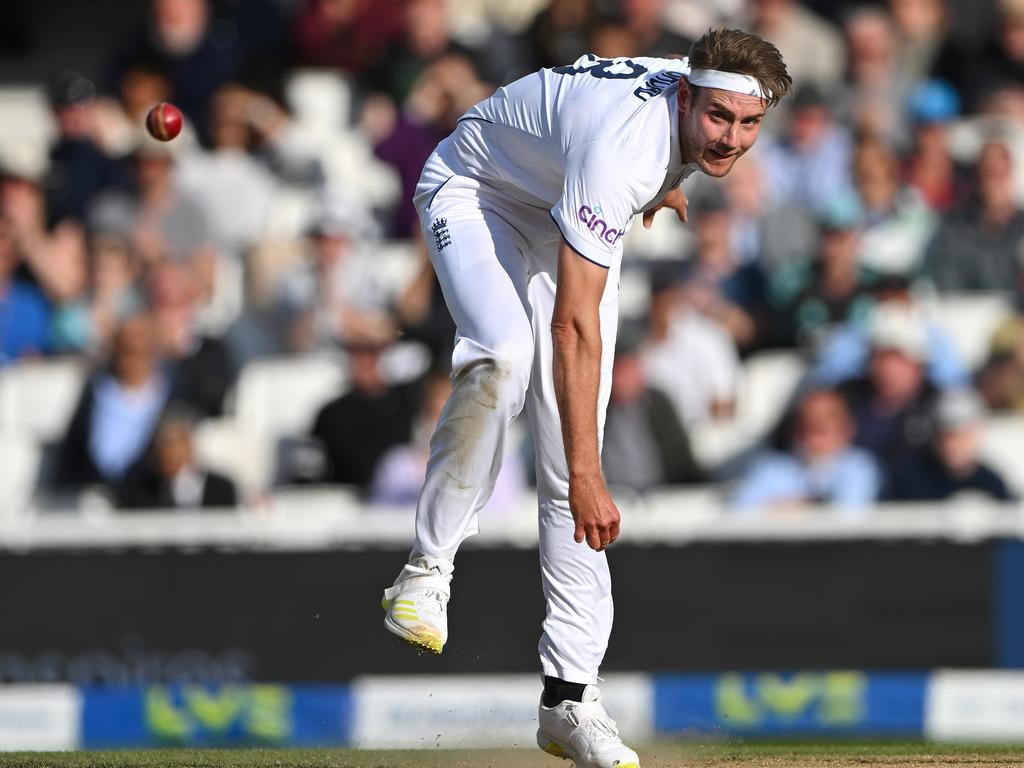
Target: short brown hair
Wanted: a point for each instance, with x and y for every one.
(732, 50)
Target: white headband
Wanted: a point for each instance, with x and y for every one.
(728, 81)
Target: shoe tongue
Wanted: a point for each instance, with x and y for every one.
(591, 693)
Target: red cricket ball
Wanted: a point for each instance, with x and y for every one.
(164, 121)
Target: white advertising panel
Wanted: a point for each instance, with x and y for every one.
(477, 711)
(975, 706)
(39, 717)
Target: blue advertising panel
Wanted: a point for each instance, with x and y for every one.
(775, 704)
(228, 715)
(1008, 604)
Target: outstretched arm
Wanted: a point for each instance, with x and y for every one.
(576, 334)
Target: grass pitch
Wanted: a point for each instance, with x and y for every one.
(663, 755)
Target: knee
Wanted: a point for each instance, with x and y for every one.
(500, 382)
(514, 362)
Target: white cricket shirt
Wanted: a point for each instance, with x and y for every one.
(595, 142)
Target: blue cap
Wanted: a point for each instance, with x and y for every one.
(934, 101)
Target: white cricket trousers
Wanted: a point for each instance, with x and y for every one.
(496, 260)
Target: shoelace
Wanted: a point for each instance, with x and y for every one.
(598, 726)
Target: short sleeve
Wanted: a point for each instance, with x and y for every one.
(601, 194)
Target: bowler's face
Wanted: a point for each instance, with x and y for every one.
(719, 127)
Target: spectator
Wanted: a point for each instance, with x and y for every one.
(168, 476)
(645, 19)
(404, 139)
(24, 310)
(811, 298)
(610, 38)
(427, 37)
(978, 248)
(180, 38)
(809, 164)
(422, 314)
(921, 31)
(53, 259)
(722, 288)
(952, 466)
(357, 428)
(873, 84)
(1001, 379)
(942, 182)
(339, 294)
(977, 74)
(687, 356)
(234, 188)
(87, 323)
(159, 221)
(822, 466)
(771, 232)
(645, 445)
(399, 475)
(200, 365)
(813, 49)
(118, 116)
(892, 405)
(79, 168)
(114, 420)
(559, 33)
(898, 225)
(846, 352)
(351, 35)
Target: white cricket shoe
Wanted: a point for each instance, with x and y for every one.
(417, 604)
(581, 731)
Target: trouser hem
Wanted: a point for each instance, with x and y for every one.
(568, 675)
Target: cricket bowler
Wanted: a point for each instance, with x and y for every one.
(524, 207)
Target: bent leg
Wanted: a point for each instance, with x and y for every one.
(478, 257)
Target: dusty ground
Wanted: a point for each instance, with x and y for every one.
(656, 756)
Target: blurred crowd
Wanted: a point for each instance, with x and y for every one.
(895, 174)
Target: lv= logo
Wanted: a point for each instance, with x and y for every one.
(442, 237)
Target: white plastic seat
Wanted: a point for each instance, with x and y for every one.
(715, 442)
(281, 395)
(20, 458)
(767, 381)
(1002, 446)
(39, 397)
(320, 99)
(970, 320)
(222, 446)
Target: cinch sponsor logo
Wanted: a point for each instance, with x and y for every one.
(591, 217)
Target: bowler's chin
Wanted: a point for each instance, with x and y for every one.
(713, 164)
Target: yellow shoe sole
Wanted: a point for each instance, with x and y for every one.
(555, 749)
(420, 637)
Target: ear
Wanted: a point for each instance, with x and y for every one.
(684, 95)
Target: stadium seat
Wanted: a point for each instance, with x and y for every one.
(222, 446)
(38, 397)
(716, 442)
(20, 458)
(321, 100)
(28, 126)
(767, 381)
(1002, 446)
(275, 397)
(970, 320)
(281, 395)
(396, 263)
